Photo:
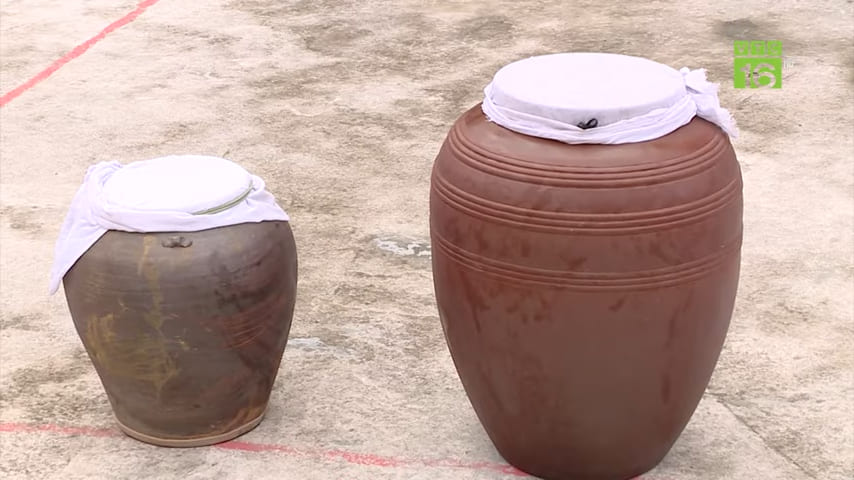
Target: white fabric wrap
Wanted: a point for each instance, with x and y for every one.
(179, 193)
(633, 99)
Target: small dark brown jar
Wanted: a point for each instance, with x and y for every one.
(186, 329)
(585, 289)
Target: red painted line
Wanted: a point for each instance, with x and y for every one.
(76, 52)
(349, 457)
(79, 431)
(355, 458)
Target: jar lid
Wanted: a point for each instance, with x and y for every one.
(600, 98)
(177, 193)
(179, 183)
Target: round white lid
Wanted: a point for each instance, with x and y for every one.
(576, 87)
(585, 97)
(178, 193)
(192, 184)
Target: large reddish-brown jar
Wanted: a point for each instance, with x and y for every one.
(585, 285)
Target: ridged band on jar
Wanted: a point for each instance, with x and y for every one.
(485, 217)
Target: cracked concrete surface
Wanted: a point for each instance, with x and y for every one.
(341, 107)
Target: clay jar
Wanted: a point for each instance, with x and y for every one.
(186, 329)
(585, 290)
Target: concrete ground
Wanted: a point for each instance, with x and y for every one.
(341, 107)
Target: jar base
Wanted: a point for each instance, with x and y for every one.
(557, 474)
(191, 442)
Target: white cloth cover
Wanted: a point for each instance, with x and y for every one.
(633, 99)
(178, 193)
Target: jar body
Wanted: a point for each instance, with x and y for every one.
(585, 291)
(186, 330)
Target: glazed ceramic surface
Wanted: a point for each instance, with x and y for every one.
(585, 291)
(187, 330)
